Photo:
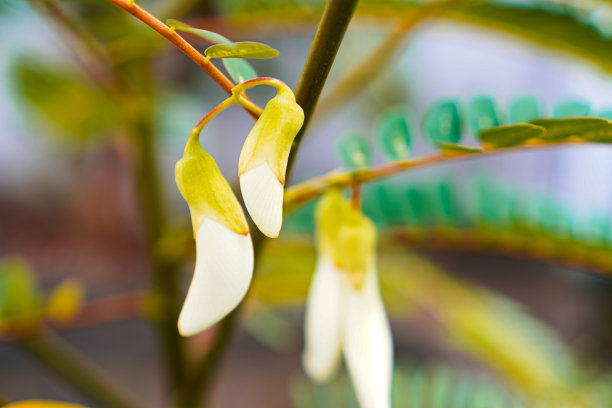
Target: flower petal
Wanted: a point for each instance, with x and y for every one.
(322, 327)
(368, 347)
(223, 271)
(263, 196)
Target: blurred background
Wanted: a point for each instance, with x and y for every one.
(497, 314)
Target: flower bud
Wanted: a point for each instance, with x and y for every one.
(346, 236)
(263, 160)
(224, 251)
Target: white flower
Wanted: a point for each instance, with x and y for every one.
(223, 272)
(341, 318)
(224, 251)
(344, 311)
(264, 156)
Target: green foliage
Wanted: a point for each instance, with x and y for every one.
(414, 386)
(553, 28)
(19, 294)
(442, 123)
(241, 50)
(23, 304)
(482, 113)
(590, 129)
(73, 109)
(571, 108)
(394, 134)
(510, 135)
(239, 69)
(524, 109)
(354, 151)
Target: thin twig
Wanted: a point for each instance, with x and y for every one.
(78, 370)
(172, 36)
(310, 189)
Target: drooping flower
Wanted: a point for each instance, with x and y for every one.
(263, 159)
(344, 311)
(224, 251)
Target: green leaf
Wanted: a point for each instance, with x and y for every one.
(571, 108)
(74, 109)
(241, 50)
(354, 151)
(443, 122)
(19, 294)
(419, 206)
(454, 148)
(207, 35)
(590, 128)
(482, 114)
(524, 109)
(510, 135)
(394, 134)
(543, 27)
(239, 69)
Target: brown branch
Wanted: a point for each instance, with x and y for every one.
(310, 189)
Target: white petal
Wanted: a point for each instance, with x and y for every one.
(223, 271)
(263, 197)
(322, 328)
(367, 343)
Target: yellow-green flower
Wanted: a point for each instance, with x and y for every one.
(263, 159)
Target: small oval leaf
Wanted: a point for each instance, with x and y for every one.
(241, 50)
(239, 69)
(394, 134)
(524, 109)
(510, 135)
(354, 151)
(571, 108)
(457, 149)
(443, 122)
(207, 35)
(482, 114)
(590, 128)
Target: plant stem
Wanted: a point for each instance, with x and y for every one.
(310, 189)
(78, 370)
(171, 35)
(334, 22)
(330, 33)
(165, 291)
(144, 16)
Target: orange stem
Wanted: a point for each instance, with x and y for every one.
(171, 35)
